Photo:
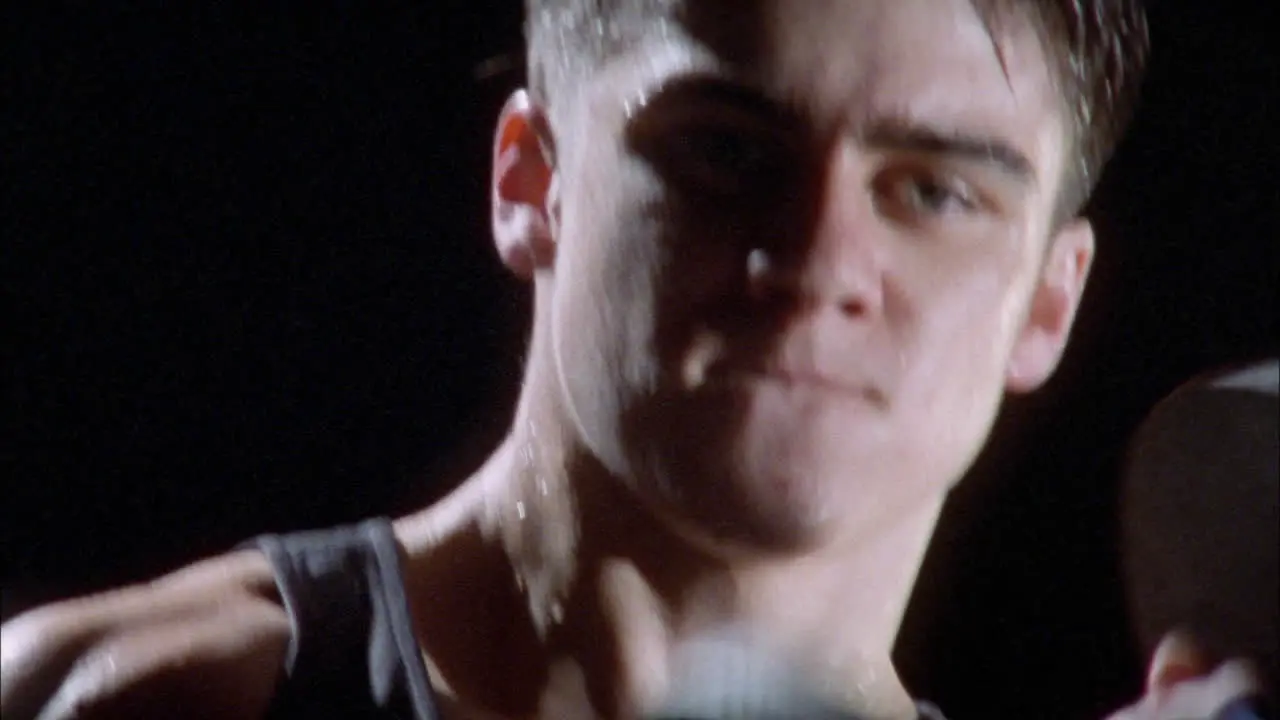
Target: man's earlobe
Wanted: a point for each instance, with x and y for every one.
(523, 188)
(1052, 312)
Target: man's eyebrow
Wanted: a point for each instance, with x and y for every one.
(707, 88)
(890, 133)
(913, 137)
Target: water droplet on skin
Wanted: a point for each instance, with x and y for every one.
(757, 265)
(633, 106)
(520, 509)
(557, 612)
(706, 350)
(664, 25)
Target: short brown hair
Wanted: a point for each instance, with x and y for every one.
(1098, 50)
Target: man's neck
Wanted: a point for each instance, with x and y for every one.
(567, 585)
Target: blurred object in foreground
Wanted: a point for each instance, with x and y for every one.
(1200, 527)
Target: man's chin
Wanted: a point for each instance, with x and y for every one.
(754, 518)
(770, 537)
(751, 481)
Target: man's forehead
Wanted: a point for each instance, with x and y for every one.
(936, 64)
(902, 57)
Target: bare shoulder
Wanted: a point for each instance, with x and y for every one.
(205, 641)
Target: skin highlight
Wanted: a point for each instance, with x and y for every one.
(703, 445)
(786, 260)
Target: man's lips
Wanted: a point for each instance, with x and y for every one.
(805, 379)
(792, 365)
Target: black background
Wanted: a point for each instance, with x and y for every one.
(249, 257)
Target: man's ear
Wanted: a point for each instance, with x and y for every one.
(523, 188)
(1054, 301)
(1176, 659)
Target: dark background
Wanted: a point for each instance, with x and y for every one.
(248, 253)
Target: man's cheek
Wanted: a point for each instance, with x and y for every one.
(959, 360)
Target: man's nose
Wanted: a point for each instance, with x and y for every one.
(834, 260)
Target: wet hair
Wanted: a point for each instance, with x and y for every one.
(1097, 48)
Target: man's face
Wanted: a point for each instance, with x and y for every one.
(800, 249)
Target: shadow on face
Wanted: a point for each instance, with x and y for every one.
(800, 253)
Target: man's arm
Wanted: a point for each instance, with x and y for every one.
(206, 641)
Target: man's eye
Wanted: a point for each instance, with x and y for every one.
(723, 149)
(725, 160)
(914, 195)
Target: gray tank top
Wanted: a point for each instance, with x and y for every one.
(354, 652)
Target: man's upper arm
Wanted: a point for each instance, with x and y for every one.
(207, 641)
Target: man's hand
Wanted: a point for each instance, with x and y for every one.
(205, 642)
(1181, 685)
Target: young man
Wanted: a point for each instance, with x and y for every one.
(786, 259)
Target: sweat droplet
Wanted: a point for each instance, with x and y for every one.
(634, 105)
(757, 265)
(706, 350)
(520, 509)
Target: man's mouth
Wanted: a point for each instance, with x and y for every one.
(712, 362)
(803, 378)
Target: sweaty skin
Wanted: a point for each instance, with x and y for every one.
(204, 642)
(786, 259)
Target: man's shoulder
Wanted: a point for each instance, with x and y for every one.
(208, 639)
